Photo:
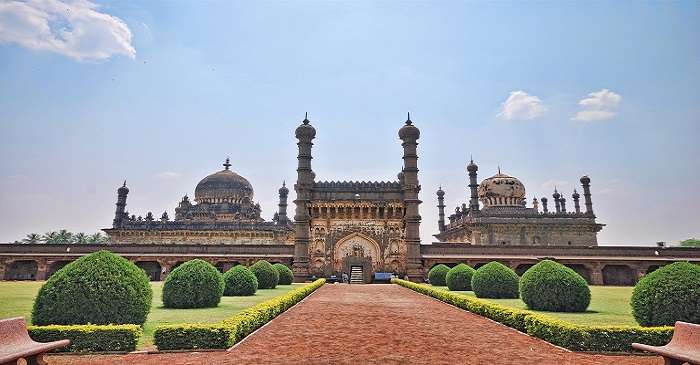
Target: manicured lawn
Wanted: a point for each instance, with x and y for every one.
(609, 306)
(17, 298)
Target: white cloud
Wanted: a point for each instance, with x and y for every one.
(71, 28)
(521, 106)
(168, 175)
(599, 105)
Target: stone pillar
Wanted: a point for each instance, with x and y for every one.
(556, 200)
(42, 269)
(544, 205)
(441, 210)
(409, 134)
(305, 134)
(596, 269)
(577, 206)
(120, 214)
(282, 213)
(562, 202)
(586, 182)
(472, 168)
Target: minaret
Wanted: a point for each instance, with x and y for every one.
(556, 200)
(282, 214)
(120, 214)
(544, 205)
(441, 209)
(577, 206)
(472, 168)
(586, 182)
(536, 204)
(409, 134)
(305, 133)
(562, 202)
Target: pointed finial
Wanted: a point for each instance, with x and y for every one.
(227, 164)
(408, 120)
(124, 184)
(499, 169)
(471, 158)
(284, 183)
(306, 118)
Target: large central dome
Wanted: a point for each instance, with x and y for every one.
(224, 186)
(501, 190)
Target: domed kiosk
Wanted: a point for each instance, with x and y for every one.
(501, 190)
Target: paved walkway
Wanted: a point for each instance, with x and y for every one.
(377, 324)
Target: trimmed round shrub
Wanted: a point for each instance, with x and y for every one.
(667, 295)
(460, 277)
(194, 284)
(495, 280)
(438, 275)
(240, 281)
(267, 275)
(100, 288)
(551, 286)
(285, 274)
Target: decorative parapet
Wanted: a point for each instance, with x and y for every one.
(202, 226)
(370, 186)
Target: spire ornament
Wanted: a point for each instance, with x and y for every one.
(227, 164)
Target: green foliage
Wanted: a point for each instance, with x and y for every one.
(90, 338)
(285, 274)
(99, 288)
(558, 332)
(267, 276)
(438, 275)
(551, 286)
(690, 242)
(495, 280)
(231, 330)
(194, 284)
(667, 295)
(460, 277)
(240, 281)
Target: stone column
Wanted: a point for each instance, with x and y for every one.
(586, 182)
(597, 273)
(42, 269)
(305, 134)
(472, 168)
(409, 134)
(441, 210)
(282, 213)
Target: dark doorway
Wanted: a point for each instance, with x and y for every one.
(621, 275)
(22, 270)
(152, 269)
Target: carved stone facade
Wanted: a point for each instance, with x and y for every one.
(505, 218)
(372, 225)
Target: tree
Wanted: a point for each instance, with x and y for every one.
(80, 238)
(64, 236)
(97, 239)
(690, 242)
(32, 239)
(50, 237)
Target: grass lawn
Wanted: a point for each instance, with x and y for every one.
(17, 298)
(609, 306)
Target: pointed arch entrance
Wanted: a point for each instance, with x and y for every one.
(354, 251)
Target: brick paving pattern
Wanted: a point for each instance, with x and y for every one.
(377, 324)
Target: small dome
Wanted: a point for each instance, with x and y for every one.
(123, 190)
(585, 180)
(440, 192)
(501, 190)
(283, 190)
(305, 130)
(409, 131)
(224, 186)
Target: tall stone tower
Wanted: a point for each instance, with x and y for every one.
(409, 134)
(120, 214)
(305, 134)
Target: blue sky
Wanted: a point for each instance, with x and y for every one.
(161, 92)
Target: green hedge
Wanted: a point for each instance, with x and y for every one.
(568, 335)
(90, 337)
(231, 330)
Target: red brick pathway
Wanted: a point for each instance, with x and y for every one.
(377, 324)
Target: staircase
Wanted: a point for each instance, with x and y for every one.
(356, 275)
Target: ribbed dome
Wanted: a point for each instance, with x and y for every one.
(501, 190)
(224, 186)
